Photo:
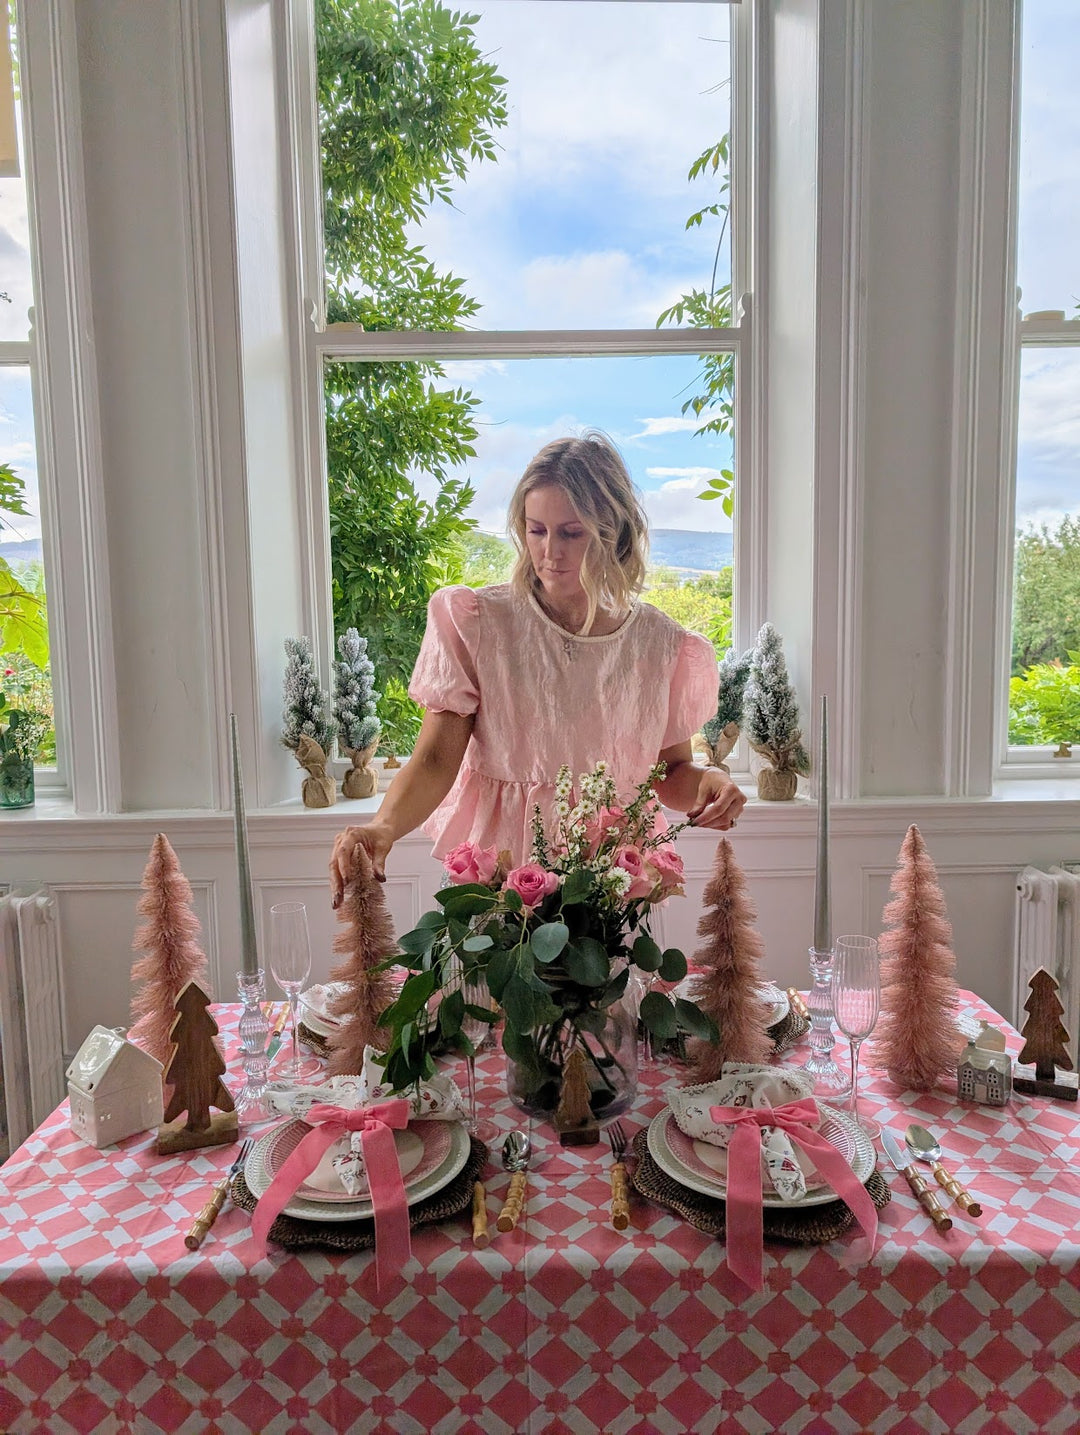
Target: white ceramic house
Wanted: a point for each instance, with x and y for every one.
(114, 1088)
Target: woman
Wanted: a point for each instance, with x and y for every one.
(561, 665)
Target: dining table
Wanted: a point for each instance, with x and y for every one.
(563, 1325)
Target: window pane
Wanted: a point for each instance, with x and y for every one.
(412, 508)
(1048, 269)
(24, 667)
(1044, 704)
(16, 296)
(571, 210)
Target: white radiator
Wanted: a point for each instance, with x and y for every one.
(31, 1043)
(1048, 935)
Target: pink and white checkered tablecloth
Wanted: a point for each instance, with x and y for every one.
(110, 1325)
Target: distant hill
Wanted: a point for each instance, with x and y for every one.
(25, 552)
(688, 552)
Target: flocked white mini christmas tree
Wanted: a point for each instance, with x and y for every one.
(771, 718)
(354, 712)
(307, 728)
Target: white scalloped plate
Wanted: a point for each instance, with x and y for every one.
(424, 1177)
(702, 1166)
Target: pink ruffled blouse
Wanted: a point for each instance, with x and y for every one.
(543, 697)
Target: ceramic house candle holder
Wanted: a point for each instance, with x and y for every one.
(114, 1088)
(984, 1072)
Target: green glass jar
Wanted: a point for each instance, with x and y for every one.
(16, 780)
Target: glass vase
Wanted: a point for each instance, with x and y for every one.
(16, 780)
(608, 1039)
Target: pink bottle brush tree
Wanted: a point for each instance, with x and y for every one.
(917, 1040)
(171, 955)
(728, 987)
(366, 940)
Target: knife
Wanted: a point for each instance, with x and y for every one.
(901, 1158)
(209, 1213)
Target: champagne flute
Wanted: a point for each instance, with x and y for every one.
(476, 1030)
(856, 983)
(290, 964)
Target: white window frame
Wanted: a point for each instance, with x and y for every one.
(1016, 761)
(348, 342)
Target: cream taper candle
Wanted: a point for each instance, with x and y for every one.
(249, 956)
(822, 918)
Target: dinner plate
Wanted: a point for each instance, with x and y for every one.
(433, 1151)
(702, 1166)
(777, 1002)
(314, 1005)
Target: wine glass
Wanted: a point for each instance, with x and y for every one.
(856, 984)
(290, 964)
(476, 1031)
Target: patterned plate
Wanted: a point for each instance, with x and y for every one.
(431, 1154)
(702, 1166)
(313, 1008)
(777, 1001)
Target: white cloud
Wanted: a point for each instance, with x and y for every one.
(1048, 457)
(676, 503)
(653, 428)
(693, 477)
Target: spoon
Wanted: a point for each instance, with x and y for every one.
(517, 1148)
(925, 1147)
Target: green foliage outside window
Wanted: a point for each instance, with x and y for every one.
(1044, 690)
(701, 604)
(406, 101)
(25, 683)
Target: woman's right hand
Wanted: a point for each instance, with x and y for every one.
(375, 837)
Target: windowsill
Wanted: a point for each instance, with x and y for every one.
(50, 809)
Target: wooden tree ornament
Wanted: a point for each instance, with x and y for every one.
(172, 957)
(729, 987)
(366, 941)
(917, 1040)
(574, 1120)
(195, 1069)
(1045, 1040)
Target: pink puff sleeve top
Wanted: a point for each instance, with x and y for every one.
(543, 697)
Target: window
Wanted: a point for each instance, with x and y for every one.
(1044, 683)
(530, 229)
(24, 648)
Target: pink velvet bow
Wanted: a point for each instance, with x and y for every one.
(376, 1125)
(744, 1207)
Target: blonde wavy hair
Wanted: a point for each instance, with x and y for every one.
(591, 472)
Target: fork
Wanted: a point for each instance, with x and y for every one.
(620, 1184)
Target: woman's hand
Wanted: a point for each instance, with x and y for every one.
(378, 840)
(718, 802)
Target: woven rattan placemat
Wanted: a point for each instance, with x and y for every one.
(799, 1225)
(296, 1235)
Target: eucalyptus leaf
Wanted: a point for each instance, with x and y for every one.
(500, 969)
(587, 962)
(479, 943)
(694, 1020)
(549, 940)
(512, 900)
(449, 895)
(413, 997)
(577, 887)
(614, 989)
(519, 1002)
(672, 966)
(463, 902)
(418, 941)
(646, 954)
(451, 1012)
(659, 1015)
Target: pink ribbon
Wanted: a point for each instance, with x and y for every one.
(745, 1231)
(376, 1125)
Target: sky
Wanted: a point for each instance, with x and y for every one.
(580, 224)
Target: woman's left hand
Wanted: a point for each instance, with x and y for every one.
(718, 802)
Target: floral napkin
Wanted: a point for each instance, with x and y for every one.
(744, 1084)
(437, 1100)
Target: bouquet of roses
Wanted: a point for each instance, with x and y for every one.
(553, 941)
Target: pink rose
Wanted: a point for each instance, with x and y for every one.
(668, 867)
(631, 860)
(596, 829)
(532, 883)
(469, 863)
